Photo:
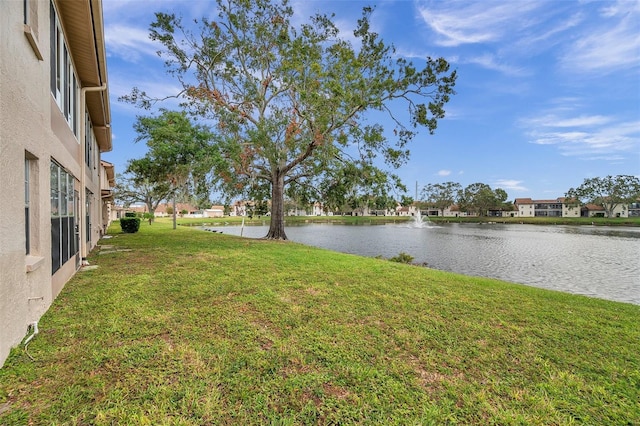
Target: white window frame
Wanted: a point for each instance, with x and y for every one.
(66, 81)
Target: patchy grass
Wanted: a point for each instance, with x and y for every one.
(192, 328)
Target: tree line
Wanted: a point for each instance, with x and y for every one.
(608, 192)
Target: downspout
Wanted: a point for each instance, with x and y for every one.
(83, 173)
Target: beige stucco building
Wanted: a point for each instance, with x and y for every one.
(54, 123)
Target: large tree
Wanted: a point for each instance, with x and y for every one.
(290, 104)
(441, 195)
(608, 192)
(479, 198)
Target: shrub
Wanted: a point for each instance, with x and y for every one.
(130, 214)
(130, 225)
(402, 258)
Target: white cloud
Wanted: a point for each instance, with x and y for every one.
(585, 136)
(458, 23)
(610, 44)
(444, 172)
(129, 43)
(510, 184)
(491, 62)
(553, 120)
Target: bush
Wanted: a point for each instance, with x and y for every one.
(130, 225)
(402, 258)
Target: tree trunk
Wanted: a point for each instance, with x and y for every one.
(174, 211)
(276, 226)
(151, 211)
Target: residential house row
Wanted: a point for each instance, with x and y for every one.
(527, 207)
(522, 207)
(54, 125)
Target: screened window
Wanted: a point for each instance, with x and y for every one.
(27, 202)
(64, 242)
(87, 220)
(88, 141)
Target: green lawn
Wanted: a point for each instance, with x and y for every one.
(188, 327)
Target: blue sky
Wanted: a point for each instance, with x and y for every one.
(548, 92)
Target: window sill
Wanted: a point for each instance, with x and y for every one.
(33, 262)
(28, 32)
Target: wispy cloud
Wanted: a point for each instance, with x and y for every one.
(130, 43)
(609, 44)
(457, 23)
(586, 136)
(444, 172)
(157, 87)
(492, 62)
(510, 184)
(553, 120)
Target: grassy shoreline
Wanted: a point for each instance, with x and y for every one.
(366, 220)
(189, 327)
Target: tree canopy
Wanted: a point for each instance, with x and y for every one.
(608, 192)
(441, 195)
(179, 159)
(137, 186)
(288, 104)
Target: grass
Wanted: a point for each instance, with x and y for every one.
(187, 327)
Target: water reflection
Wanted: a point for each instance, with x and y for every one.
(594, 261)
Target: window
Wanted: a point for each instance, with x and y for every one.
(64, 83)
(30, 8)
(87, 196)
(88, 141)
(27, 202)
(30, 11)
(31, 204)
(64, 242)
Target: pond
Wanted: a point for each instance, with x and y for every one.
(595, 261)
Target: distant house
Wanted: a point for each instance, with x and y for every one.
(592, 210)
(54, 125)
(622, 210)
(182, 209)
(405, 211)
(214, 211)
(559, 207)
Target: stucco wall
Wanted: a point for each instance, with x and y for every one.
(32, 125)
(24, 126)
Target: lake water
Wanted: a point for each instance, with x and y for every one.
(595, 261)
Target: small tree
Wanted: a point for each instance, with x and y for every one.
(608, 192)
(181, 154)
(139, 185)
